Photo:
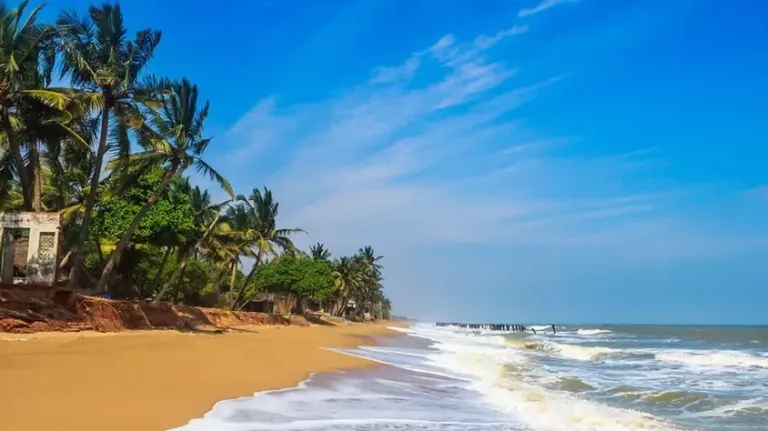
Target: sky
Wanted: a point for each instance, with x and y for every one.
(524, 161)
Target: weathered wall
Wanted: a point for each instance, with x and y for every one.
(44, 243)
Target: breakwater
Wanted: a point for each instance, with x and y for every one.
(502, 327)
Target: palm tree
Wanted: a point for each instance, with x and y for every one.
(105, 66)
(26, 59)
(256, 219)
(370, 258)
(172, 138)
(210, 234)
(10, 191)
(48, 121)
(347, 278)
(368, 291)
(318, 251)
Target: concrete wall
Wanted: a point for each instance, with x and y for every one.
(44, 238)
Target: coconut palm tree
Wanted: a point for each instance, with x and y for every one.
(256, 220)
(26, 59)
(172, 138)
(210, 233)
(45, 128)
(347, 279)
(10, 191)
(318, 251)
(105, 67)
(368, 291)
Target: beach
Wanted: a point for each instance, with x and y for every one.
(158, 380)
(584, 378)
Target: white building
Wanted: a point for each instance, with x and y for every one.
(29, 247)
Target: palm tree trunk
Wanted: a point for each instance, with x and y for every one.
(79, 250)
(37, 178)
(177, 273)
(101, 286)
(162, 265)
(99, 251)
(251, 273)
(13, 141)
(232, 279)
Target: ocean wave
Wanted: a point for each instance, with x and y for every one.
(531, 402)
(581, 353)
(674, 398)
(572, 384)
(713, 359)
(568, 351)
(349, 424)
(543, 409)
(593, 331)
(757, 407)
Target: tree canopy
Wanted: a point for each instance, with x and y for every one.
(298, 276)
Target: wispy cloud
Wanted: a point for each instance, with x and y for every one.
(435, 152)
(541, 7)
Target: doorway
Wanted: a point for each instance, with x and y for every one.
(13, 258)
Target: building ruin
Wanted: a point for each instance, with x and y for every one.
(30, 245)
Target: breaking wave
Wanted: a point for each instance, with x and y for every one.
(708, 358)
(593, 331)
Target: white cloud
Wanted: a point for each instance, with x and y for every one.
(541, 7)
(431, 160)
(448, 162)
(385, 75)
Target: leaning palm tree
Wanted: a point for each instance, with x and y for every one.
(26, 59)
(209, 234)
(172, 138)
(105, 66)
(256, 219)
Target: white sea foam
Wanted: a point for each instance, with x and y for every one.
(581, 353)
(473, 381)
(757, 406)
(534, 405)
(713, 358)
(383, 400)
(568, 351)
(593, 331)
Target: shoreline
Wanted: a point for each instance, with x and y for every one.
(160, 380)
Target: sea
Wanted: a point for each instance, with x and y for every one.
(584, 377)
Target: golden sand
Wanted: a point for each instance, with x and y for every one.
(157, 380)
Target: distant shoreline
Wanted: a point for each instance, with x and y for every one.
(159, 380)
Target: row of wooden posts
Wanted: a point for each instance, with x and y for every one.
(505, 327)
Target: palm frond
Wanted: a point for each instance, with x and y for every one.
(50, 98)
(205, 169)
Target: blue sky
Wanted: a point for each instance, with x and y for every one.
(513, 160)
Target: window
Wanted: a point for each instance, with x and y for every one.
(46, 250)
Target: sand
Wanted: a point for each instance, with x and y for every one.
(157, 380)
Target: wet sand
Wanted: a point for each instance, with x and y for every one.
(157, 380)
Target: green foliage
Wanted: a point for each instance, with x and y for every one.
(185, 248)
(298, 276)
(167, 222)
(200, 285)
